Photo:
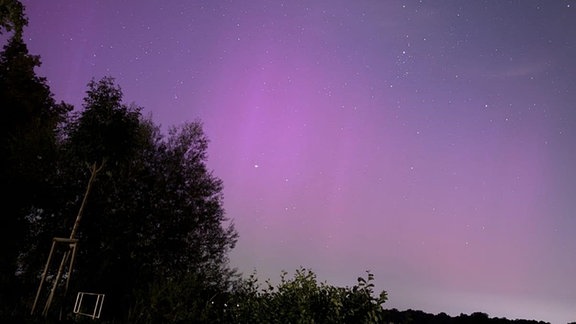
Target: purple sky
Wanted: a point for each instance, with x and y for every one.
(430, 142)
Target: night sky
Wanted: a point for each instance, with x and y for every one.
(430, 142)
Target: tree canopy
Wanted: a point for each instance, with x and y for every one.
(155, 211)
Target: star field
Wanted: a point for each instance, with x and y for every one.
(432, 143)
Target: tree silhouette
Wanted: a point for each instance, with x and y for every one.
(28, 137)
(154, 215)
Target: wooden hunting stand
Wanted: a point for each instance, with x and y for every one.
(68, 255)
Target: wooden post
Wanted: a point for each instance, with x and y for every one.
(94, 171)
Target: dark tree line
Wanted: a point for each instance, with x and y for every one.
(28, 144)
(420, 317)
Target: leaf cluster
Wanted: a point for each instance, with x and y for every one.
(302, 299)
(12, 16)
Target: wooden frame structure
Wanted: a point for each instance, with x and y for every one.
(69, 255)
(78, 309)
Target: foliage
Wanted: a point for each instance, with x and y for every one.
(106, 129)
(28, 145)
(187, 299)
(418, 316)
(155, 215)
(303, 299)
(12, 16)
